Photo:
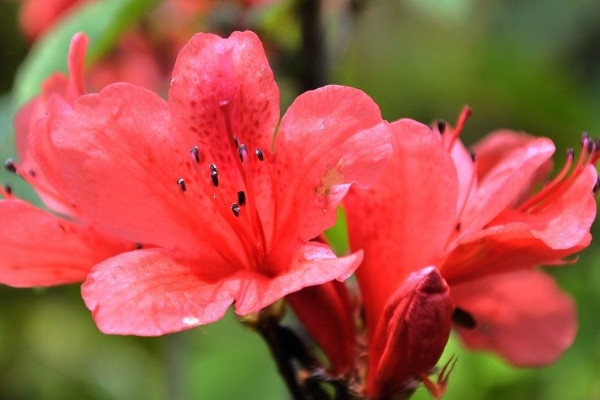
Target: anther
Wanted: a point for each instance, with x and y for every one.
(591, 145)
(8, 189)
(463, 318)
(441, 125)
(214, 174)
(139, 246)
(260, 154)
(235, 142)
(594, 190)
(584, 137)
(195, 154)
(9, 164)
(241, 197)
(235, 208)
(242, 151)
(570, 153)
(181, 184)
(473, 155)
(31, 173)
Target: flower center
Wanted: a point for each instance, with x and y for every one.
(238, 207)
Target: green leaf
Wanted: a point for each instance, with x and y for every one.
(102, 21)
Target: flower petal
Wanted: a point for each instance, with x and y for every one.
(122, 165)
(149, 293)
(403, 223)
(519, 240)
(503, 184)
(313, 264)
(40, 249)
(324, 145)
(216, 79)
(522, 316)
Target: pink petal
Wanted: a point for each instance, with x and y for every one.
(411, 334)
(313, 264)
(523, 316)
(122, 165)
(323, 145)
(39, 15)
(403, 223)
(153, 291)
(216, 79)
(503, 184)
(496, 146)
(150, 293)
(503, 249)
(518, 240)
(39, 249)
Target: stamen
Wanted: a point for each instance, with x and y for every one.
(594, 190)
(181, 184)
(441, 126)
(9, 165)
(195, 154)
(241, 197)
(463, 318)
(214, 174)
(558, 179)
(242, 151)
(259, 154)
(473, 155)
(235, 208)
(236, 142)
(6, 191)
(460, 123)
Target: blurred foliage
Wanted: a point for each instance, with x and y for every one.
(531, 66)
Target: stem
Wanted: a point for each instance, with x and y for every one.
(313, 45)
(268, 327)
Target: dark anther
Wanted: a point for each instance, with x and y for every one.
(235, 142)
(8, 188)
(241, 151)
(591, 146)
(235, 208)
(441, 125)
(260, 154)
(458, 226)
(570, 153)
(214, 174)
(594, 190)
(31, 173)
(139, 246)
(585, 137)
(195, 153)
(473, 155)
(241, 198)
(463, 319)
(181, 184)
(9, 164)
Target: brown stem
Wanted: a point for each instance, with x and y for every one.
(313, 45)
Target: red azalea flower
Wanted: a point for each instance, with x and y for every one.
(39, 15)
(503, 225)
(230, 213)
(39, 248)
(477, 229)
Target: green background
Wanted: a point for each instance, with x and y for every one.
(527, 65)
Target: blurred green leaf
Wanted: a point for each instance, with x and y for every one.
(103, 21)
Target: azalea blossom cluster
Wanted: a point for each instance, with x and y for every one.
(171, 211)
